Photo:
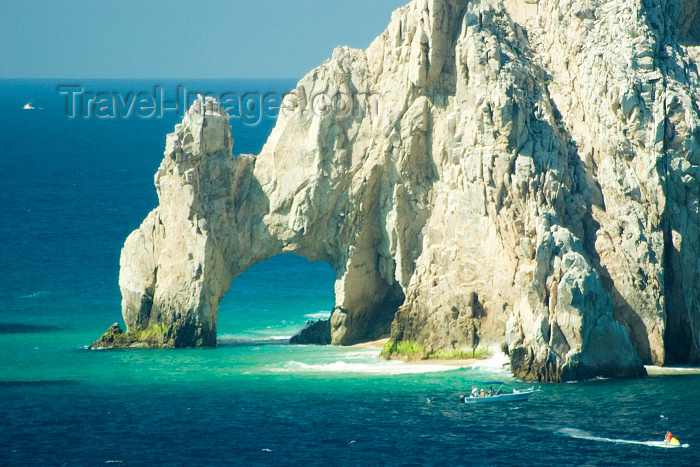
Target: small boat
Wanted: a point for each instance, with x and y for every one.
(499, 395)
(28, 106)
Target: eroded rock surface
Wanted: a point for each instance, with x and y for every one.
(521, 173)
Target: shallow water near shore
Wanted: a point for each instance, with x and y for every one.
(73, 191)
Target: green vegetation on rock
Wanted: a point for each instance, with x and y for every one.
(115, 337)
(459, 354)
(157, 331)
(408, 350)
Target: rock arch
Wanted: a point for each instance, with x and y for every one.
(531, 184)
(220, 214)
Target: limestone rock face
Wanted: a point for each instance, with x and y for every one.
(521, 173)
(171, 278)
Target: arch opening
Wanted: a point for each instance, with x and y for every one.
(274, 299)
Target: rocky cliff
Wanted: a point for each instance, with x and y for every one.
(521, 173)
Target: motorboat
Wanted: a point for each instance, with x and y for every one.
(28, 106)
(499, 395)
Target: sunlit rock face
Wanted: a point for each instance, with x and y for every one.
(522, 174)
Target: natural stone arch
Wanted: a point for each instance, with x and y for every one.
(512, 181)
(220, 214)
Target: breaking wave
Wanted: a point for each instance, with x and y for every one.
(498, 362)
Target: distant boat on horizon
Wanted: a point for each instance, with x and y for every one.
(28, 106)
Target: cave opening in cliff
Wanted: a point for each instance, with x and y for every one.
(274, 299)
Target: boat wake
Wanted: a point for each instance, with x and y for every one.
(581, 434)
(40, 293)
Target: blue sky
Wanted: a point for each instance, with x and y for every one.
(181, 39)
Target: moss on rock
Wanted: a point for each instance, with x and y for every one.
(156, 336)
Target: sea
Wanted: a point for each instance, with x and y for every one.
(76, 178)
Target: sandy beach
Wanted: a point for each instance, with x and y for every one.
(378, 344)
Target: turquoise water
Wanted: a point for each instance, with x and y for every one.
(72, 190)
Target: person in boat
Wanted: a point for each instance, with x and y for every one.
(475, 392)
(670, 439)
(490, 391)
(482, 394)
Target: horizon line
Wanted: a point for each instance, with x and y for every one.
(156, 78)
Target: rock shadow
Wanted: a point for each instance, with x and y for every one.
(585, 227)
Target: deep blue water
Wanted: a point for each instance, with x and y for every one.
(73, 189)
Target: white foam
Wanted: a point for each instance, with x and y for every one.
(381, 367)
(319, 315)
(581, 434)
(498, 361)
(362, 354)
(40, 293)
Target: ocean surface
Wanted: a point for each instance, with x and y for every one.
(72, 189)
